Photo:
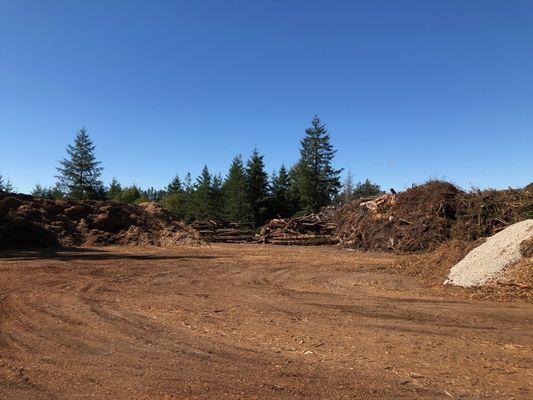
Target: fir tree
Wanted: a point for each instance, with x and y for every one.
(318, 181)
(348, 188)
(366, 189)
(236, 204)
(52, 193)
(280, 186)
(257, 187)
(79, 173)
(188, 186)
(175, 185)
(216, 197)
(114, 190)
(6, 185)
(203, 199)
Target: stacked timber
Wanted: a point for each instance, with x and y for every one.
(224, 232)
(308, 230)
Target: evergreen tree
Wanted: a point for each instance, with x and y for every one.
(131, 195)
(318, 181)
(282, 206)
(216, 197)
(366, 189)
(153, 194)
(114, 190)
(175, 185)
(6, 185)
(203, 196)
(188, 186)
(79, 173)
(257, 187)
(348, 188)
(236, 204)
(52, 193)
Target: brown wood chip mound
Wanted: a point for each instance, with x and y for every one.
(27, 221)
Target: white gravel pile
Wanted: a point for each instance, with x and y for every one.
(488, 260)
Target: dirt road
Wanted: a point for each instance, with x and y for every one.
(248, 322)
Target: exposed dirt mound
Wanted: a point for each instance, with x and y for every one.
(419, 218)
(27, 221)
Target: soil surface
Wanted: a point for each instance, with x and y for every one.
(249, 322)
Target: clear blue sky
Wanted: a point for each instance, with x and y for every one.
(409, 90)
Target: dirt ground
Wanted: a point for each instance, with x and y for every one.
(249, 322)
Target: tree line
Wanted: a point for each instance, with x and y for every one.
(247, 193)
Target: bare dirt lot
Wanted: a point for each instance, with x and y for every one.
(249, 322)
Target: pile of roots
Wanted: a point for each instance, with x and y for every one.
(27, 221)
(427, 216)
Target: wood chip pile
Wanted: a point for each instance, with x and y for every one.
(224, 232)
(313, 229)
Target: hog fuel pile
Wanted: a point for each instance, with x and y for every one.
(489, 260)
(27, 221)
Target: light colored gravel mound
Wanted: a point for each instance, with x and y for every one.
(488, 260)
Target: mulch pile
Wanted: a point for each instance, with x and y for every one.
(426, 216)
(27, 221)
(224, 231)
(312, 229)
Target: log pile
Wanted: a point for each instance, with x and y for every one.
(308, 230)
(224, 232)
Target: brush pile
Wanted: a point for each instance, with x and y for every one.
(426, 216)
(224, 232)
(420, 218)
(313, 229)
(484, 213)
(27, 221)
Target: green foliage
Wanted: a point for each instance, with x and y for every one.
(175, 185)
(131, 195)
(282, 204)
(257, 187)
(317, 182)
(176, 203)
(205, 197)
(52, 193)
(6, 185)
(79, 173)
(366, 189)
(114, 190)
(235, 196)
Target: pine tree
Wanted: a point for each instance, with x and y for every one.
(318, 182)
(257, 187)
(114, 190)
(236, 204)
(280, 186)
(188, 186)
(366, 189)
(79, 173)
(6, 185)
(175, 185)
(348, 188)
(216, 197)
(203, 199)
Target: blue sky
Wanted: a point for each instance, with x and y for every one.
(409, 90)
